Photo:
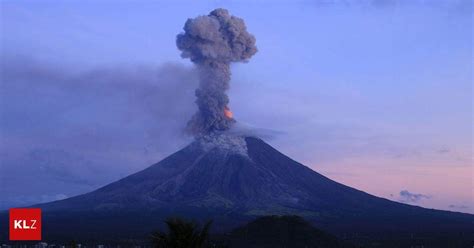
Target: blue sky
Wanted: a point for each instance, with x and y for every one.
(374, 94)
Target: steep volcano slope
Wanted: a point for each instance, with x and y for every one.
(232, 180)
(247, 176)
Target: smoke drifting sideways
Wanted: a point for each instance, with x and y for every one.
(212, 42)
(69, 129)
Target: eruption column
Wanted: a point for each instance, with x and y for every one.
(212, 42)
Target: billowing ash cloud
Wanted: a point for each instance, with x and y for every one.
(212, 42)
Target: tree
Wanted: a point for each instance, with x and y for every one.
(181, 234)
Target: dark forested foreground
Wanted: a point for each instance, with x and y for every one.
(263, 232)
(271, 231)
(288, 232)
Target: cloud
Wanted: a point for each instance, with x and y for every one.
(443, 150)
(407, 197)
(245, 129)
(459, 207)
(48, 102)
(213, 42)
(27, 200)
(78, 129)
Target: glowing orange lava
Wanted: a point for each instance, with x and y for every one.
(228, 113)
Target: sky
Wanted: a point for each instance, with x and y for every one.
(373, 94)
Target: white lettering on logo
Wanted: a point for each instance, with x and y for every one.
(17, 224)
(33, 223)
(21, 224)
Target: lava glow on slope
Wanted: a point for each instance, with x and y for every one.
(228, 113)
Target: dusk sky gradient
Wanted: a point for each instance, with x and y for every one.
(373, 94)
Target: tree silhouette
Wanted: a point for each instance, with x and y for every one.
(181, 234)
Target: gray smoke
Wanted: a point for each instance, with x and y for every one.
(212, 42)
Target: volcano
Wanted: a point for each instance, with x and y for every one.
(226, 173)
(233, 179)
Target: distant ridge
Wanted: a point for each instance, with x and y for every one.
(281, 231)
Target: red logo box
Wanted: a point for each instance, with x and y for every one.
(25, 224)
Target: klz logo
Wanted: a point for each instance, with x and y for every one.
(25, 224)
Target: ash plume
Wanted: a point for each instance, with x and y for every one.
(212, 42)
